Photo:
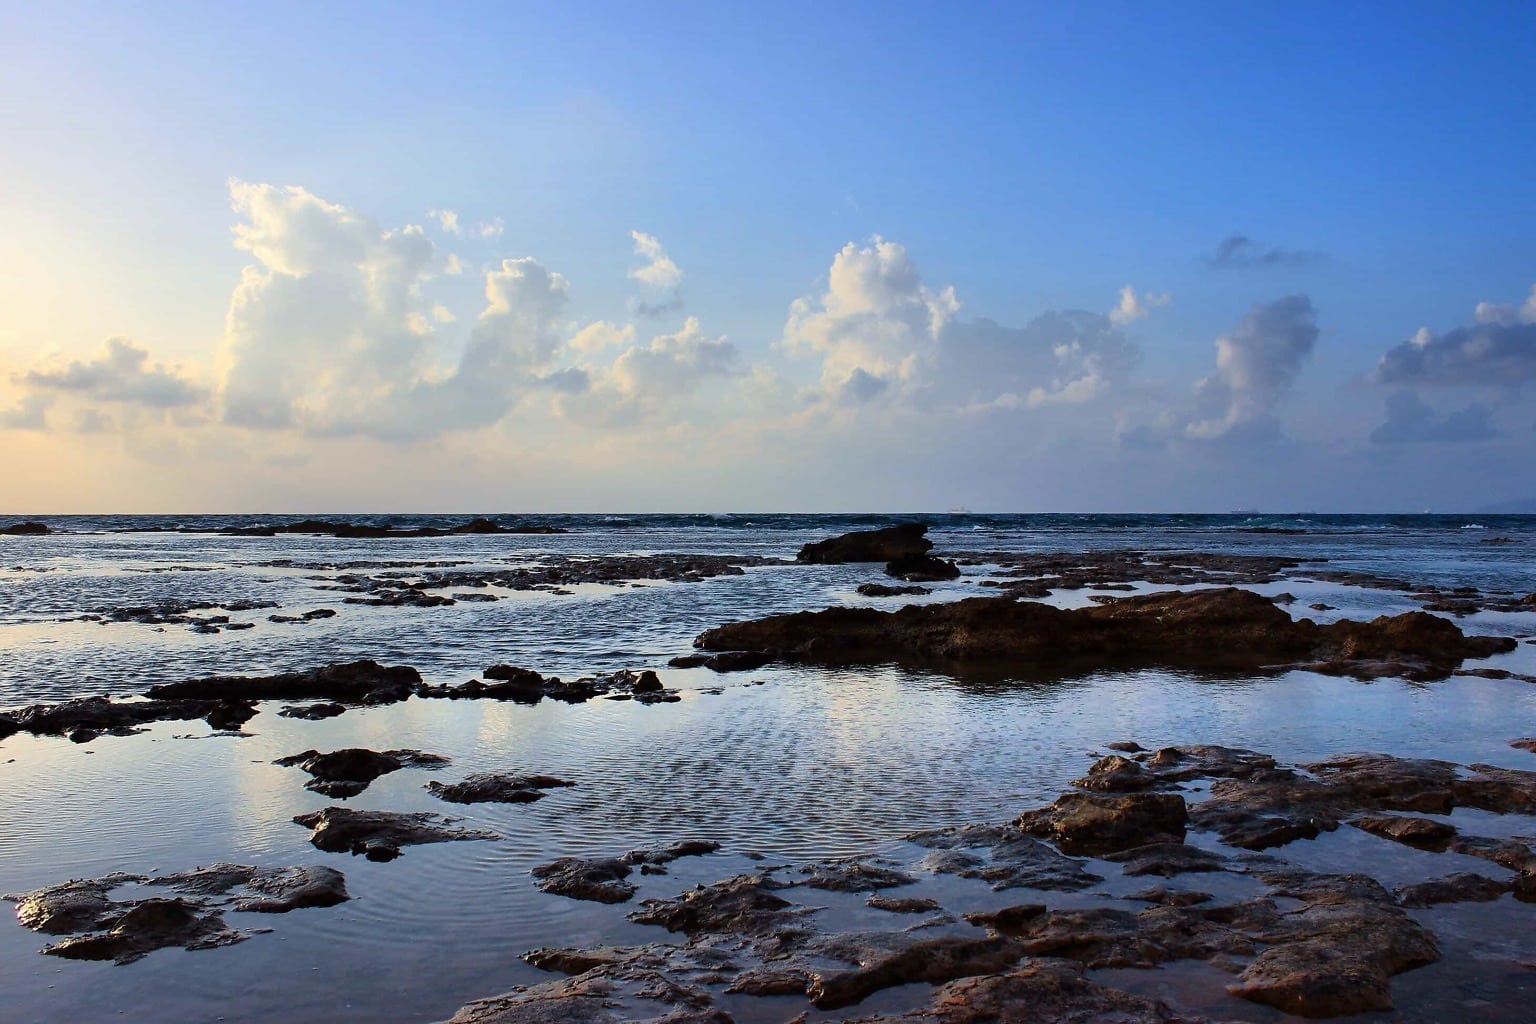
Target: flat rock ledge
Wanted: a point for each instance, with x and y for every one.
(1226, 628)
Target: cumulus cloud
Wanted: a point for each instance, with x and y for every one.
(1239, 252)
(1411, 420)
(29, 413)
(1497, 350)
(875, 328)
(882, 334)
(1256, 364)
(644, 380)
(122, 373)
(1132, 307)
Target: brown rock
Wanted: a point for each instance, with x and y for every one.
(1091, 824)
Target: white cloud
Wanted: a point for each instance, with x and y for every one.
(1497, 351)
(659, 271)
(1256, 364)
(1131, 308)
(876, 328)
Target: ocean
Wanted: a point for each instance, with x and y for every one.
(780, 765)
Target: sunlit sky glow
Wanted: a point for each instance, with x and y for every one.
(583, 257)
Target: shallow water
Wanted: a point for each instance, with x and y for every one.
(811, 764)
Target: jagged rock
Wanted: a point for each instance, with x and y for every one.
(90, 717)
(352, 682)
(346, 773)
(1166, 897)
(490, 787)
(923, 568)
(1093, 824)
(1115, 774)
(855, 875)
(634, 987)
(601, 880)
(25, 530)
(933, 961)
(147, 926)
(881, 545)
(379, 835)
(654, 861)
(743, 905)
(509, 682)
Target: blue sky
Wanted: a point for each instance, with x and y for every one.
(1036, 158)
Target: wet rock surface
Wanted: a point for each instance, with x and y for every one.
(496, 787)
(525, 686)
(85, 718)
(1222, 628)
(605, 879)
(99, 927)
(30, 529)
(346, 773)
(886, 590)
(354, 682)
(379, 835)
(887, 544)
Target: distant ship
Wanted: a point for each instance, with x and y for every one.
(1244, 512)
(958, 511)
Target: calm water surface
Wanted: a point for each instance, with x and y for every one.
(810, 764)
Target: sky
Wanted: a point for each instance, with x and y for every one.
(792, 257)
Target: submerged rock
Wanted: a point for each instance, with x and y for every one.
(1221, 628)
(510, 682)
(491, 787)
(352, 682)
(346, 773)
(1462, 887)
(743, 905)
(883, 545)
(726, 661)
(379, 835)
(922, 569)
(1004, 857)
(856, 875)
(147, 926)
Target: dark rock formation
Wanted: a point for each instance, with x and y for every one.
(922, 569)
(884, 590)
(346, 773)
(1223, 628)
(25, 530)
(509, 682)
(356, 531)
(1002, 856)
(85, 718)
(379, 835)
(101, 928)
(743, 905)
(310, 616)
(909, 905)
(1086, 823)
(492, 787)
(313, 712)
(883, 545)
(854, 875)
(1461, 887)
(601, 880)
(353, 682)
(726, 661)
(1037, 992)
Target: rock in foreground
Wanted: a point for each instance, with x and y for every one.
(379, 835)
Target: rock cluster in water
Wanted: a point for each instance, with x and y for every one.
(1227, 628)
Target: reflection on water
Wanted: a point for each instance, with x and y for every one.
(811, 764)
